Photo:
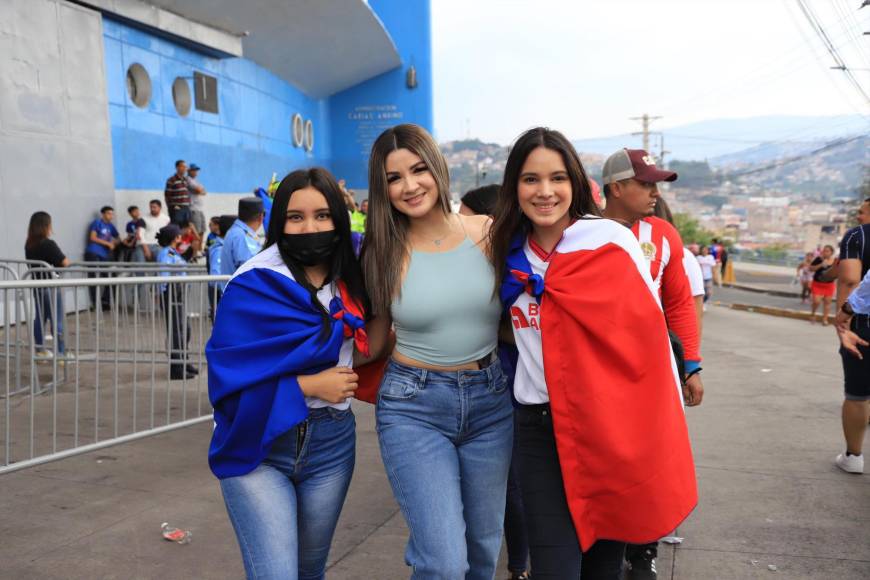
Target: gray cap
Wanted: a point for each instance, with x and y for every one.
(636, 163)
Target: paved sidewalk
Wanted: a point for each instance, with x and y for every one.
(764, 441)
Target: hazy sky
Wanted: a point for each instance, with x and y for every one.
(585, 66)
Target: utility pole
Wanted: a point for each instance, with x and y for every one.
(644, 123)
(662, 150)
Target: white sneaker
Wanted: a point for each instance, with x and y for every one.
(850, 463)
(43, 356)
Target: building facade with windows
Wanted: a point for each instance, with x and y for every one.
(98, 98)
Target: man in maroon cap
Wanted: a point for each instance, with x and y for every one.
(631, 194)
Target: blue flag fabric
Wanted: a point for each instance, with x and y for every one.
(267, 205)
(518, 276)
(266, 334)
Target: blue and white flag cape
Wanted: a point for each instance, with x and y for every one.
(266, 334)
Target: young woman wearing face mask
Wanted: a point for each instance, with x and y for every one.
(280, 380)
(601, 440)
(443, 413)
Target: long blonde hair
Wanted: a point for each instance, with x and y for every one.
(385, 249)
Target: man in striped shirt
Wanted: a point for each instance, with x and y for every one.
(631, 194)
(177, 194)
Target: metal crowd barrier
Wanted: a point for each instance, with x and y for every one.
(20, 266)
(83, 372)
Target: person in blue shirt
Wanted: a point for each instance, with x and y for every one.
(132, 249)
(214, 248)
(853, 328)
(102, 240)
(241, 241)
(213, 227)
(172, 304)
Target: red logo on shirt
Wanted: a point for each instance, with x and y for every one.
(521, 320)
(518, 318)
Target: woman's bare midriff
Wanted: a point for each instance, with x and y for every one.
(400, 358)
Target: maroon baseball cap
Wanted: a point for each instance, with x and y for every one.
(634, 163)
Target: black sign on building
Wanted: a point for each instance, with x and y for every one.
(205, 92)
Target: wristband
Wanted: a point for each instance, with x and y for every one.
(693, 372)
(847, 308)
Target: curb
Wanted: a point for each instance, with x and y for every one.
(780, 293)
(773, 311)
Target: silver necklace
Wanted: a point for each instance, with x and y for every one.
(438, 241)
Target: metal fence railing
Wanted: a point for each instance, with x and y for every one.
(91, 362)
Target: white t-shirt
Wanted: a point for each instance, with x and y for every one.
(693, 273)
(345, 356)
(530, 386)
(196, 201)
(152, 226)
(707, 263)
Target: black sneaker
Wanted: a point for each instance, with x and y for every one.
(642, 566)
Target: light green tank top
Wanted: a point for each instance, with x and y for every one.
(447, 315)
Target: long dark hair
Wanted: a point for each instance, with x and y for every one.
(40, 226)
(344, 265)
(385, 247)
(509, 219)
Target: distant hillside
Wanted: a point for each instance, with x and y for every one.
(832, 173)
(720, 137)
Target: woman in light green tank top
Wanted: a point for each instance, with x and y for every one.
(444, 415)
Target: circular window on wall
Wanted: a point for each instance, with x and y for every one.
(298, 130)
(309, 135)
(181, 96)
(138, 85)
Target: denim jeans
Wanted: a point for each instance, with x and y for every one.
(179, 214)
(446, 441)
(46, 312)
(284, 512)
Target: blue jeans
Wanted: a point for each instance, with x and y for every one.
(446, 441)
(284, 512)
(46, 312)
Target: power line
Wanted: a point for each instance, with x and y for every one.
(832, 50)
(781, 162)
(778, 66)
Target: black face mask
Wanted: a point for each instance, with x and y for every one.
(309, 249)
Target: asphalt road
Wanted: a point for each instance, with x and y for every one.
(764, 440)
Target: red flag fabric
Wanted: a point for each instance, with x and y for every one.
(615, 396)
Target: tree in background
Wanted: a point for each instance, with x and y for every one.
(693, 174)
(690, 230)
